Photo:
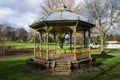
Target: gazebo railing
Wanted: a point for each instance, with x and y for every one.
(81, 53)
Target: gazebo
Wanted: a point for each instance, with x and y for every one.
(62, 22)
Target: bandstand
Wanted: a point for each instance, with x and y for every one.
(59, 23)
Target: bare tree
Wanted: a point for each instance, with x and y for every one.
(1, 30)
(21, 34)
(54, 5)
(6, 32)
(104, 13)
(9, 33)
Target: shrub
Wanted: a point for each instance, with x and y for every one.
(32, 65)
(82, 65)
(96, 63)
(60, 42)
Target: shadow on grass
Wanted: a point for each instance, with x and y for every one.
(101, 57)
(112, 50)
(18, 70)
(105, 72)
(11, 69)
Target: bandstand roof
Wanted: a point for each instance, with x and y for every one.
(62, 20)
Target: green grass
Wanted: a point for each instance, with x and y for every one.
(15, 43)
(13, 68)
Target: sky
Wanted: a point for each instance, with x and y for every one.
(20, 13)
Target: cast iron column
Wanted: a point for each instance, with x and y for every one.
(89, 54)
(47, 49)
(54, 43)
(84, 34)
(70, 42)
(40, 35)
(75, 57)
(35, 44)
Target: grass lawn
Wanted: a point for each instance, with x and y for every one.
(13, 68)
(15, 43)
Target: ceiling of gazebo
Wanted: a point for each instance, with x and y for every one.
(62, 21)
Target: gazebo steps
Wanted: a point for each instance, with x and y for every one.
(61, 73)
(62, 68)
(61, 62)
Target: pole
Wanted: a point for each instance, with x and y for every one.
(75, 52)
(70, 42)
(75, 57)
(54, 43)
(35, 44)
(40, 44)
(84, 34)
(89, 54)
(47, 50)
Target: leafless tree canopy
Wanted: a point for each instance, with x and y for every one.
(105, 13)
(54, 5)
(21, 34)
(8, 33)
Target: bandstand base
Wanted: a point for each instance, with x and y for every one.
(60, 66)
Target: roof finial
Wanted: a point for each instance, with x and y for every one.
(62, 6)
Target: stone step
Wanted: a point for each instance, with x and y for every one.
(57, 70)
(61, 63)
(61, 68)
(61, 73)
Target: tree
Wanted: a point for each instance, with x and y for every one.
(9, 33)
(6, 32)
(60, 39)
(105, 13)
(21, 34)
(1, 31)
(53, 5)
(30, 35)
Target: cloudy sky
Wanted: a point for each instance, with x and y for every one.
(19, 13)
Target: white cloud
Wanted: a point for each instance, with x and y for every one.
(77, 1)
(19, 13)
(5, 12)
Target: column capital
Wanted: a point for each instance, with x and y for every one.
(46, 33)
(74, 33)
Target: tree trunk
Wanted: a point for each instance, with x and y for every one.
(102, 43)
